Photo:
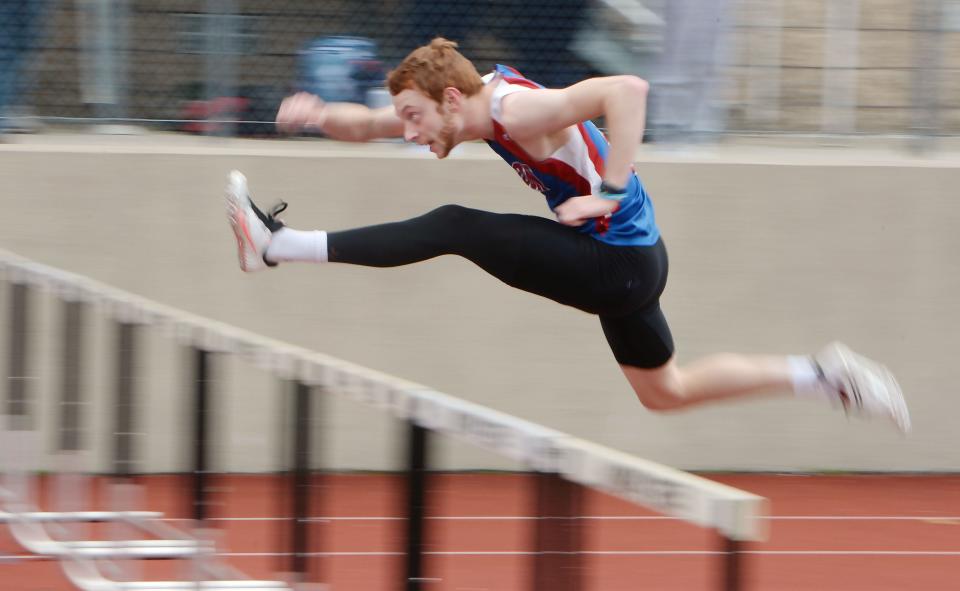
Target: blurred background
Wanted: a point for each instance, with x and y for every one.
(801, 155)
(798, 154)
(851, 67)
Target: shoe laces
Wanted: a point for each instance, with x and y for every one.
(277, 209)
(270, 219)
(843, 396)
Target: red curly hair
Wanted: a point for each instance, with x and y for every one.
(432, 68)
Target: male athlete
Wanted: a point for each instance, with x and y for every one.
(605, 256)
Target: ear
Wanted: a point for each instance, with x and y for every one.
(452, 98)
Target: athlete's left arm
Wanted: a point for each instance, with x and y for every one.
(622, 100)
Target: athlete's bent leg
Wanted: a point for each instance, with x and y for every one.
(836, 374)
(716, 377)
(642, 344)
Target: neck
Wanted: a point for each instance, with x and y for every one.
(477, 122)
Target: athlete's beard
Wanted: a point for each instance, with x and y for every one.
(445, 141)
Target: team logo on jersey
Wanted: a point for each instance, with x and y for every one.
(526, 173)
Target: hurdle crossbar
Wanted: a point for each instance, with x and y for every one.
(736, 515)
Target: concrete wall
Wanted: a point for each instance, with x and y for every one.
(770, 252)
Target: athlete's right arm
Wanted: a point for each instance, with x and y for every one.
(341, 121)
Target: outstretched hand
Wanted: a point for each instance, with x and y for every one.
(575, 211)
(301, 111)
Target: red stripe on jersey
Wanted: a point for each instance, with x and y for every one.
(598, 162)
(565, 172)
(521, 82)
(556, 168)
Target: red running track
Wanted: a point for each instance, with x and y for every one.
(850, 533)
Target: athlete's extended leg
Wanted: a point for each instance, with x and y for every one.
(527, 252)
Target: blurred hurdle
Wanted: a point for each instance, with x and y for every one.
(560, 464)
(135, 535)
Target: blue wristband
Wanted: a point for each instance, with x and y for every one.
(612, 193)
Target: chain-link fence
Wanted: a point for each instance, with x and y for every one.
(716, 66)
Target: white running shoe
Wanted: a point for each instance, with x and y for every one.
(866, 388)
(252, 227)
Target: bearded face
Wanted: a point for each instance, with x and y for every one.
(445, 138)
(427, 123)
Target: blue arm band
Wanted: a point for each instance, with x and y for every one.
(612, 193)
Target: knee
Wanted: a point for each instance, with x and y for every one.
(659, 399)
(448, 214)
(661, 394)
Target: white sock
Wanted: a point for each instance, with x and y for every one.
(807, 382)
(287, 244)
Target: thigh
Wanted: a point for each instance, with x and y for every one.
(544, 257)
(539, 256)
(639, 339)
(531, 253)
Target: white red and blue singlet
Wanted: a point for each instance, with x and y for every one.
(576, 168)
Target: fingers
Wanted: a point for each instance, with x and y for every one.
(567, 213)
(301, 111)
(573, 223)
(567, 217)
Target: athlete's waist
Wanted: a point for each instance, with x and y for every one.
(632, 223)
